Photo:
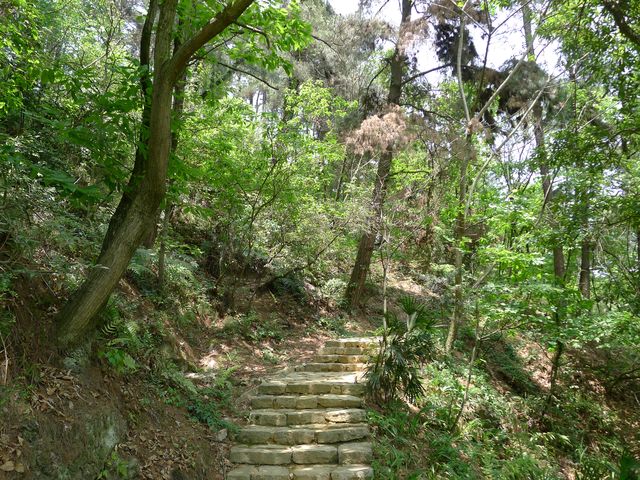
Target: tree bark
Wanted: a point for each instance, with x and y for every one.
(138, 211)
(355, 287)
(638, 251)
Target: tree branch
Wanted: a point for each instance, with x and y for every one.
(426, 72)
(621, 22)
(255, 30)
(245, 72)
(226, 17)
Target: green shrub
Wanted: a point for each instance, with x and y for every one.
(289, 285)
(333, 289)
(335, 325)
(204, 403)
(251, 328)
(396, 449)
(119, 360)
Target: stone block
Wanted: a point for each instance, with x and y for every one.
(360, 472)
(347, 415)
(346, 434)
(355, 453)
(261, 455)
(308, 454)
(273, 418)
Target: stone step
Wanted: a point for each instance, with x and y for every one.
(331, 367)
(302, 434)
(333, 358)
(286, 417)
(308, 424)
(343, 454)
(363, 342)
(300, 402)
(306, 472)
(314, 383)
(345, 350)
(284, 455)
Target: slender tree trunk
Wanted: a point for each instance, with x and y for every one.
(138, 211)
(178, 109)
(638, 250)
(548, 194)
(585, 269)
(355, 287)
(584, 279)
(468, 154)
(636, 309)
(140, 163)
(162, 253)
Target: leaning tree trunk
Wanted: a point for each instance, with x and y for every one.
(355, 287)
(139, 211)
(636, 308)
(134, 219)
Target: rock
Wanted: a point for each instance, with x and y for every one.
(314, 472)
(221, 435)
(346, 434)
(88, 441)
(271, 473)
(350, 415)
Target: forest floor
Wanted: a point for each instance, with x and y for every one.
(128, 411)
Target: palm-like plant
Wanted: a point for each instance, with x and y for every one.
(405, 346)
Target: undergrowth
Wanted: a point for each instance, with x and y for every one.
(499, 434)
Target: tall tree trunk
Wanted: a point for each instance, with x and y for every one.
(138, 214)
(138, 211)
(468, 153)
(636, 308)
(355, 287)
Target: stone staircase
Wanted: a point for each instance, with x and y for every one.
(309, 424)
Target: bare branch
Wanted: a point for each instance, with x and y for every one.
(245, 72)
